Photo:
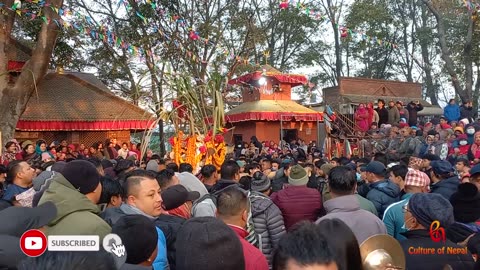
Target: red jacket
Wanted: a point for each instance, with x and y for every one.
(254, 258)
(298, 203)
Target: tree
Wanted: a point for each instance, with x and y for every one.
(14, 96)
(462, 81)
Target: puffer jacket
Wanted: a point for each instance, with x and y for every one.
(298, 203)
(382, 194)
(446, 187)
(268, 223)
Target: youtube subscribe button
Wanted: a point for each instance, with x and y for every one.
(73, 243)
(33, 243)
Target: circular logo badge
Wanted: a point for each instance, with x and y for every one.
(33, 243)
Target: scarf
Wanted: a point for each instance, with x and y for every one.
(11, 156)
(132, 210)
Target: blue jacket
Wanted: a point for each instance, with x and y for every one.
(394, 218)
(451, 112)
(382, 194)
(112, 215)
(446, 187)
(161, 262)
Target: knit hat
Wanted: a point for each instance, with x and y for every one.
(416, 178)
(59, 166)
(152, 165)
(326, 168)
(260, 182)
(139, 236)
(298, 176)
(82, 175)
(206, 243)
(466, 203)
(429, 207)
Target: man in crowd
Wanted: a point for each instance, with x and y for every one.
(76, 196)
(415, 182)
(421, 211)
(291, 255)
(206, 243)
(209, 176)
(345, 205)
(413, 108)
(267, 218)
(380, 191)
(452, 111)
(167, 178)
(444, 180)
(382, 113)
(393, 114)
(296, 201)
(19, 179)
(232, 208)
(206, 205)
(142, 196)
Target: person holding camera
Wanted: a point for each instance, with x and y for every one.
(413, 108)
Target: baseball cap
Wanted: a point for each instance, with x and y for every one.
(375, 167)
(177, 195)
(17, 220)
(441, 167)
(475, 170)
(416, 178)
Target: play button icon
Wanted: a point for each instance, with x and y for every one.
(33, 243)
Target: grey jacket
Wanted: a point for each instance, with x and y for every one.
(362, 223)
(268, 223)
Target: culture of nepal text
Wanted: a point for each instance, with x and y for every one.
(439, 251)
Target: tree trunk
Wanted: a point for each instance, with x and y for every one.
(14, 97)
(427, 66)
(449, 64)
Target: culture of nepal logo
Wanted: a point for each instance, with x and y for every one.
(437, 234)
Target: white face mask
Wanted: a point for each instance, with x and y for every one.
(463, 142)
(404, 227)
(471, 131)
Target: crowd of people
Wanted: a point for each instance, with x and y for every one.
(270, 206)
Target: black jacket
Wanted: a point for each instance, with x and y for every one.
(413, 110)
(382, 116)
(467, 112)
(446, 187)
(170, 225)
(279, 180)
(421, 239)
(382, 194)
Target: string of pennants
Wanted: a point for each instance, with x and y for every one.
(101, 32)
(192, 33)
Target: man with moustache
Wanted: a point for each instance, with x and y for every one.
(142, 196)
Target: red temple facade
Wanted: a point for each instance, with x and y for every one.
(268, 111)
